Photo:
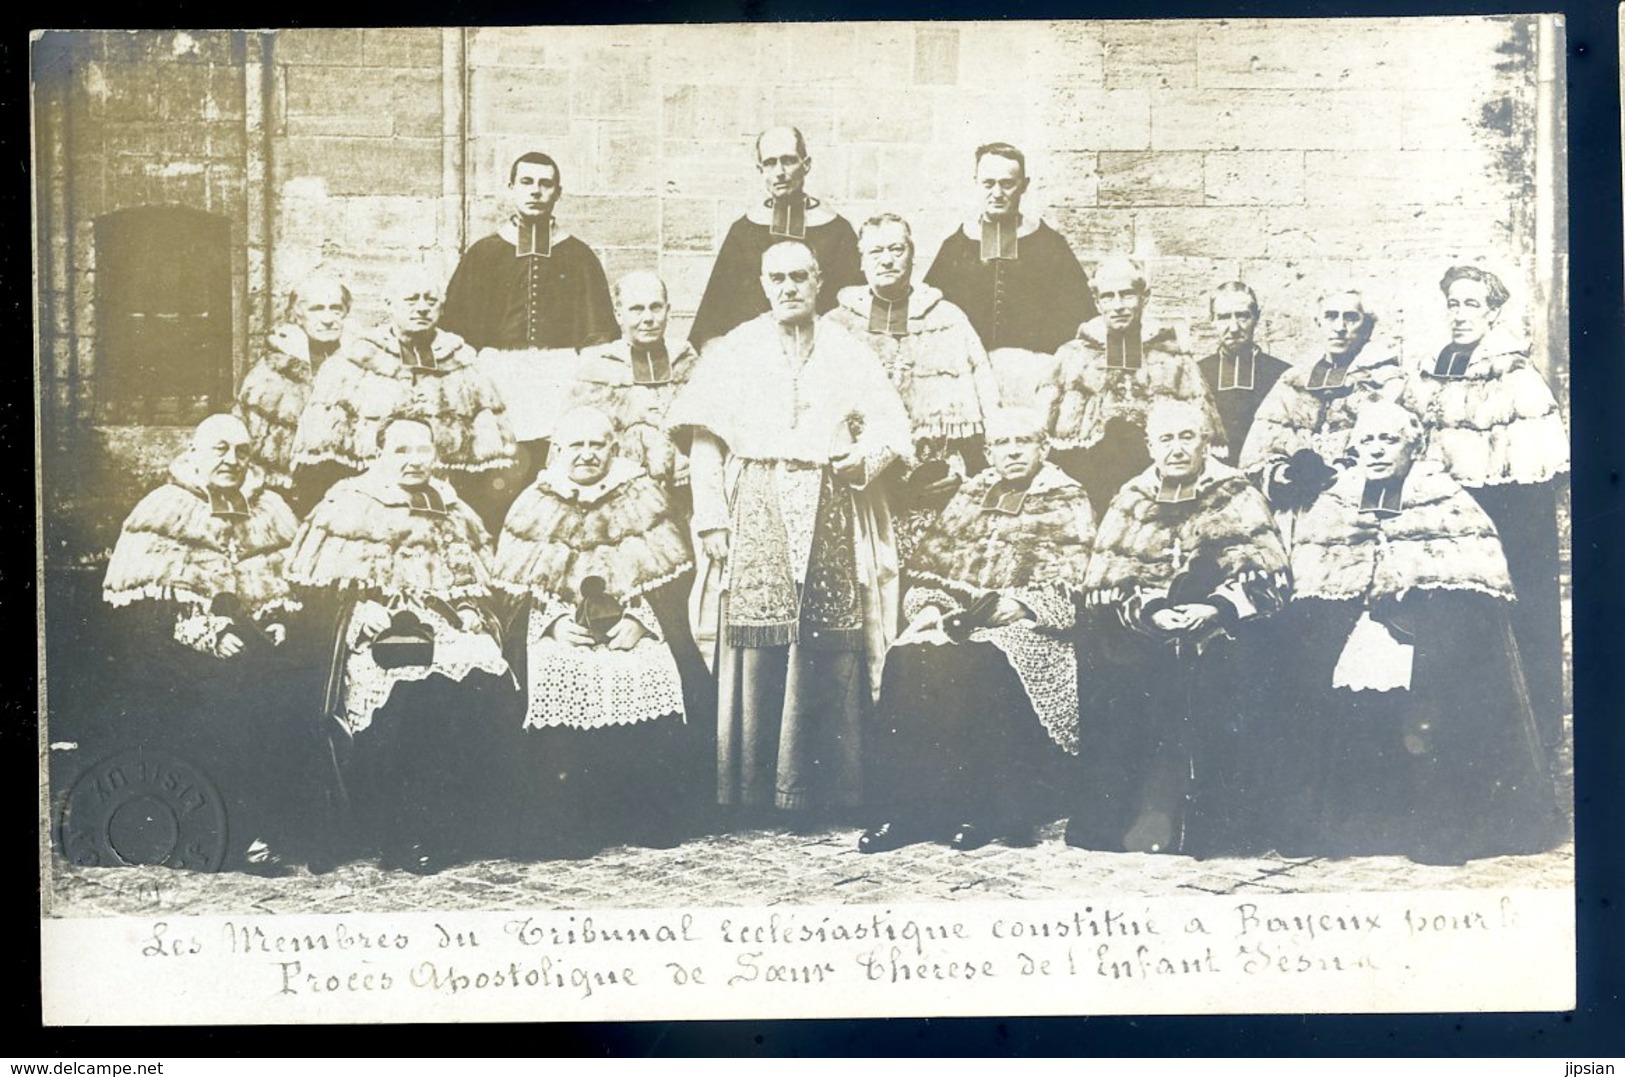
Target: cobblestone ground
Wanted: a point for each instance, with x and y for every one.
(767, 867)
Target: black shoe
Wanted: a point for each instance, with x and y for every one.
(968, 836)
(419, 860)
(884, 838)
(1024, 836)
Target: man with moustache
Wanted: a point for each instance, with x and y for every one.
(1239, 373)
(412, 369)
(793, 426)
(1013, 275)
(275, 389)
(734, 293)
(1187, 563)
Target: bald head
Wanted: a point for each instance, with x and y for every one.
(219, 451)
(641, 307)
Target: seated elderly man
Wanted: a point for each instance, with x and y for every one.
(1186, 561)
(980, 699)
(582, 549)
(934, 358)
(418, 678)
(1413, 691)
(276, 389)
(408, 369)
(1106, 378)
(633, 380)
(198, 568)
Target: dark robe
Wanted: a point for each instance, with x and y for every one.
(976, 728)
(420, 746)
(733, 295)
(1494, 424)
(1166, 742)
(1238, 386)
(1450, 768)
(1035, 301)
(497, 299)
(188, 568)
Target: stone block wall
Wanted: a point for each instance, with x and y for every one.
(1288, 154)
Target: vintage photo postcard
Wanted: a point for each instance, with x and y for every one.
(803, 520)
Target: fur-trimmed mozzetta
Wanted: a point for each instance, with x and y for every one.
(604, 381)
(271, 399)
(1497, 424)
(1440, 540)
(1089, 394)
(1294, 417)
(364, 536)
(174, 549)
(940, 368)
(968, 551)
(367, 384)
(622, 530)
(1142, 545)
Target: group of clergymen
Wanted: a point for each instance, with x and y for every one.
(949, 559)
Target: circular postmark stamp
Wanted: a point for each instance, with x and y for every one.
(144, 806)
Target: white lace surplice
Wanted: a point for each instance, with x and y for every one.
(595, 687)
(367, 685)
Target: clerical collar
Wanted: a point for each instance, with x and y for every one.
(651, 365)
(535, 237)
(1124, 350)
(417, 351)
(789, 215)
(1236, 371)
(1000, 239)
(1329, 375)
(1176, 491)
(317, 352)
(1006, 496)
(227, 503)
(1383, 497)
(1453, 360)
(424, 500)
(888, 316)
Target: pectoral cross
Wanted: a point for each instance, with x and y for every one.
(1176, 554)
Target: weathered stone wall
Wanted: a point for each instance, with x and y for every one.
(1287, 154)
